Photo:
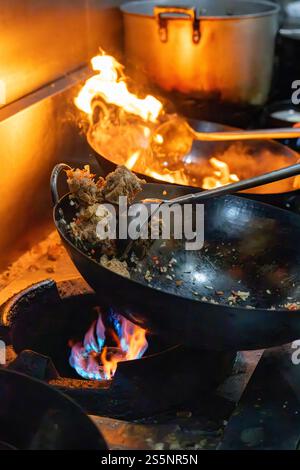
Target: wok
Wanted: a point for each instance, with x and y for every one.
(251, 158)
(249, 247)
(35, 416)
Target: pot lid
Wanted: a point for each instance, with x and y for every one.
(224, 9)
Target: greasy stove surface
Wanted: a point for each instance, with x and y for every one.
(267, 416)
(257, 404)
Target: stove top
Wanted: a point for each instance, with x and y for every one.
(172, 398)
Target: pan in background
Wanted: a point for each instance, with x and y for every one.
(247, 159)
(283, 114)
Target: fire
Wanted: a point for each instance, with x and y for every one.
(110, 84)
(94, 359)
(173, 177)
(222, 175)
(158, 139)
(296, 183)
(127, 130)
(132, 160)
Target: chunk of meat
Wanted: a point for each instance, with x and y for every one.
(84, 228)
(83, 186)
(121, 182)
(90, 197)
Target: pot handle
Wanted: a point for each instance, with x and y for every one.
(290, 32)
(54, 178)
(191, 12)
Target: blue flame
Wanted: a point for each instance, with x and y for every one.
(85, 357)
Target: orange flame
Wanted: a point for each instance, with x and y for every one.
(124, 139)
(173, 177)
(132, 346)
(132, 160)
(109, 83)
(93, 359)
(109, 364)
(222, 175)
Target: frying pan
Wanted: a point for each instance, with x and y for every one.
(250, 158)
(35, 416)
(250, 247)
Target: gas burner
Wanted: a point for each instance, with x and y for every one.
(171, 385)
(38, 324)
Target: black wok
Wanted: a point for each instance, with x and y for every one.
(253, 158)
(35, 416)
(250, 247)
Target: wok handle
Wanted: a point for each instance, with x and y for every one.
(249, 183)
(54, 178)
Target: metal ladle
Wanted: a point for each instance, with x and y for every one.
(175, 137)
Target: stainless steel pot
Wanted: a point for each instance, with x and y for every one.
(222, 49)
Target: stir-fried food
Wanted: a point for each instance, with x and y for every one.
(83, 186)
(121, 182)
(91, 198)
(89, 194)
(88, 191)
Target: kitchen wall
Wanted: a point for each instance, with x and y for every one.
(41, 40)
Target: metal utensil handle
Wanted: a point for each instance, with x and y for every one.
(54, 178)
(249, 183)
(191, 12)
(279, 133)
